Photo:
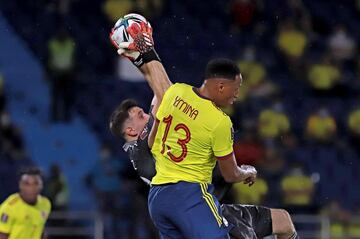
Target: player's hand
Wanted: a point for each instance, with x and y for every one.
(250, 174)
(142, 36)
(141, 49)
(122, 49)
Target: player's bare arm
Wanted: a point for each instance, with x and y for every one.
(159, 82)
(4, 235)
(155, 74)
(233, 173)
(154, 107)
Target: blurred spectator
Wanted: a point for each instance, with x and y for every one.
(2, 94)
(57, 188)
(12, 142)
(298, 189)
(253, 70)
(107, 184)
(115, 9)
(354, 227)
(249, 150)
(255, 194)
(353, 124)
(339, 219)
(244, 12)
(291, 41)
(321, 126)
(341, 44)
(105, 177)
(59, 9)
(61, 64)
(324, 76)
(273, 122)
(254, 74)
(272, 169)
(289, 141)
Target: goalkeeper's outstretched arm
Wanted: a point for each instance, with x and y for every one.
(142, 54)
(155, 74)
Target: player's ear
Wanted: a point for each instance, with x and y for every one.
(221, 87)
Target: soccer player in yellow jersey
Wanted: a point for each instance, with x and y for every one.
(23, 215)
(192, 133)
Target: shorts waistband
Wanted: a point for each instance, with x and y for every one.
(164, 184)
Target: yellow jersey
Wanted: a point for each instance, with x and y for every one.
(21, 220)
(191, 132)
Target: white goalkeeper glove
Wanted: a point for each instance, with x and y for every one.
(250, 174)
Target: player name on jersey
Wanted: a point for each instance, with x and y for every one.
(185, 107)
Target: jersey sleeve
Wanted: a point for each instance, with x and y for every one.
(222, 138)
(6, 219)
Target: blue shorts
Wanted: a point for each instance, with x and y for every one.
(187, 211)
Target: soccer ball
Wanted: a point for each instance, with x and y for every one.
(120, 34)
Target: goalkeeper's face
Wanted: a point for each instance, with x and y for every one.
(136, 121)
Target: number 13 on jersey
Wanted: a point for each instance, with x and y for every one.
(182, 142)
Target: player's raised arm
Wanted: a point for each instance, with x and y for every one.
(157, 78)
(142, 54)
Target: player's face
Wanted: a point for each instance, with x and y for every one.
(229, 91)
(30, 187)
(137, 119)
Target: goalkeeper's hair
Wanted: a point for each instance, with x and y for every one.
(120, 115)
(221, 68)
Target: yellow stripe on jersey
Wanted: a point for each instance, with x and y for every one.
(210, 201)
(191, 133)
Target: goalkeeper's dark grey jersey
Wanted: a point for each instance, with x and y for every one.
(140, 154)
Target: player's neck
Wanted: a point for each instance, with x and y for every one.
(27, 201)
(203, 92)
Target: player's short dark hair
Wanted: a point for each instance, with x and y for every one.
(33, 171)
(221, 68)
(120, 115)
